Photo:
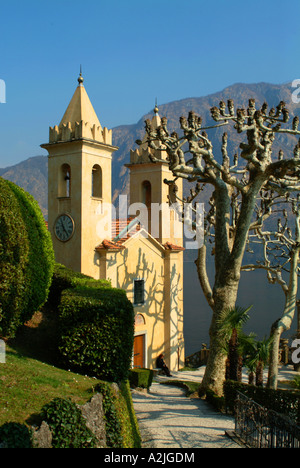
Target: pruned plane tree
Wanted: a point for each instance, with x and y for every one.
(278, 241)
(238, 181)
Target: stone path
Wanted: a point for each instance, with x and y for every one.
(169, 419)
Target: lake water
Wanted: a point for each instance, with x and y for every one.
(267, 302)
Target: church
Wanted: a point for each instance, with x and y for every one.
(138, 247)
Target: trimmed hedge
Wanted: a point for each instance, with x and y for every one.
(282, 401)
(97, 330)
(15, 435)
(140, 377)
(26, 258)
(121, 424)
(65, 278)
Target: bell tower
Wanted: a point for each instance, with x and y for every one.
(152, 196)
(149, 190)
(79, 184)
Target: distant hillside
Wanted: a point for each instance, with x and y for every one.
(32, 173)
(124, 136)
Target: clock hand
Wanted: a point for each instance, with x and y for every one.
(63, 226)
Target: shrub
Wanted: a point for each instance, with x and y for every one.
(15, 435)
(97, 329)
(112, 420)
(26, 258)
(215, 400)
(141, 377)
(122, 429)
(282, 401)
(296, 382)
(65, 278)
(67, 425)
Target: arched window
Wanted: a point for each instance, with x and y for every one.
(97, 181)
(139, 320)
(146, 194)
(146, 200)
(64, 186)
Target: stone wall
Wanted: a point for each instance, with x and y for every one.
(93, 414)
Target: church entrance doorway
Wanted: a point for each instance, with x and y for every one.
(139, 351)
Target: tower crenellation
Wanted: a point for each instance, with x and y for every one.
(76, 130)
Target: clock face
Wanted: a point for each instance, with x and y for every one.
(64, 227)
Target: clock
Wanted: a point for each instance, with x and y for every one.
(64, 227)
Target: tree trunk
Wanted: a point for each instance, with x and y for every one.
(260, 375)
(251, 378)
(276, 333)
(285, 322)
(233, 357)
(214, 376)
(229, 252)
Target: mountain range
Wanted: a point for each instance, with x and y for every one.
(268, 300)
(31, 174)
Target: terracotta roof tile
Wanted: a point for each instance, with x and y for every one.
(119, 225)
(109, 245)
(169, 246)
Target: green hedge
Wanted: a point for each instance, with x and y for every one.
(15, 435)
(26, 258)
(121, 425)
(67, 425)
(65, 278)
(282, 401)
(97, 329)
(140, 377)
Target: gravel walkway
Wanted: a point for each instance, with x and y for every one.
(169, 419)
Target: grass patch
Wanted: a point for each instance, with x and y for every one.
(27, 384)
(191, 388)
(187, 368)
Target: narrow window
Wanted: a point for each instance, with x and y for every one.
(146, 194)
(146, 200)
(64, 187)
(139, 292)
(97, 181)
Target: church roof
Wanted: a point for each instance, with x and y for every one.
(123, 229)
(169, 246)
(80, 108)
(80, 122)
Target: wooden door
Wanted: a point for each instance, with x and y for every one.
(138, 351)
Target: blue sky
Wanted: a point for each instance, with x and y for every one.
(132, 52)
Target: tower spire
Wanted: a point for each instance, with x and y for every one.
(80, 78)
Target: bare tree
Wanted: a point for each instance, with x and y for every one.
(280, 258)
(236, 183)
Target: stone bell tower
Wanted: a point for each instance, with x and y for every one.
(150, 193)
(148, 188)
(79, 184)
